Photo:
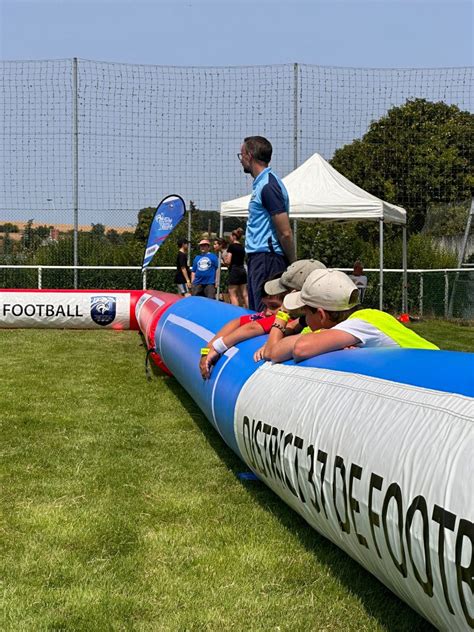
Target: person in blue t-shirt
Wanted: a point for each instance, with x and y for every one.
(269, 239)
(203, 275)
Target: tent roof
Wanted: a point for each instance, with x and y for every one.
(318, 191)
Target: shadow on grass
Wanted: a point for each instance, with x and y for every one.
(379, 602)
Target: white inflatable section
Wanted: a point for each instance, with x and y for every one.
(384, 470)
(71, 310)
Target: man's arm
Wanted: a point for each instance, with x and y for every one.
(184, 272)
(276, 205)
(282, 225)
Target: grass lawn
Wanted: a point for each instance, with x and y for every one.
(122, 510)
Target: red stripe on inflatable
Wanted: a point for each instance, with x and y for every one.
(135, 295)
(149, 315)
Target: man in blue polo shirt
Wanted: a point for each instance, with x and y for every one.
(269, 238)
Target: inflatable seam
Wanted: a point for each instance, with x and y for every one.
(313, 379)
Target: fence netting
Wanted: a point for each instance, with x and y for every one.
(99, 141)
(146, 131)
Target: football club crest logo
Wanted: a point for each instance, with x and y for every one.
(103, 309)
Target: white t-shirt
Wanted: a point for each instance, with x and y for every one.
(368, 335)
(360, 281)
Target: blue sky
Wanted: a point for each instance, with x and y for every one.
(379, 33)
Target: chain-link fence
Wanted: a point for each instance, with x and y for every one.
(431, 293)
(107, 139)
(85, 142)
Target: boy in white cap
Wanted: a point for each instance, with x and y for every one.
(291, 280)
(252, 325)
(330, 302)
(239, 329)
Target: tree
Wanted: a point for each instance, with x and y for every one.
(98, 232)
(417, 155)
(28, 237)
(113, 237)
(8, 227)
(145, 217)
(7, 244)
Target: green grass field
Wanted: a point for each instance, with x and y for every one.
(122, 510)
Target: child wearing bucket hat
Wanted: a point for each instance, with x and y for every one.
(330, 302)
(204, 270)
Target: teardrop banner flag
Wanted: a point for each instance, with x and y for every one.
(167, 216)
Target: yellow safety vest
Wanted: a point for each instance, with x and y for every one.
(392, 328)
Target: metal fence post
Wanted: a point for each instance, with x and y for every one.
(189, 234)
(75, 168)
(144, 279)
(446, 293)
(295, 141)
(420, 296)
(40, 278)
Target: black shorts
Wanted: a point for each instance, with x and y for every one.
(237, 275)
(209, 291)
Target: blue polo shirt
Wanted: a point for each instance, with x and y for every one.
(205, 268)
(269, 197)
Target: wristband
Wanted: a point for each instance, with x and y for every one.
(278, 326)
(220, 346)
(283, 316)
(205, 351)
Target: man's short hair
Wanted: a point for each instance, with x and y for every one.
(260, 148)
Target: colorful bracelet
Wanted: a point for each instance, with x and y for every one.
(205, 351)
(283, 316)
(278, 326)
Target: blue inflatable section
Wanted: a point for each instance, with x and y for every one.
(189, 324)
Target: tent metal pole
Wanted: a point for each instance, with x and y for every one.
(295, 236)
(296, 99)
(381, 264)
(221, 234)
(405, 274)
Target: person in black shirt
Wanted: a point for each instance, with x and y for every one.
(235, 258)
(183, 276)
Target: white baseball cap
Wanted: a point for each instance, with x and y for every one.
(329, 289)
(293, 277)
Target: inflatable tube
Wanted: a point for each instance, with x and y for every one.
(373, 447)
(69, 309)
(148, 311)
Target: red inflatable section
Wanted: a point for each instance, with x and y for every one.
(149, 309)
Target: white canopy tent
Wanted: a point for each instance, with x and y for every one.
(317, 191)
